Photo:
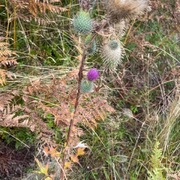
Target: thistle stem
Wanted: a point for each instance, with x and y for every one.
(80, 77)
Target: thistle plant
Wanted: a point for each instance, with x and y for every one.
(111, 48)
(64, 99)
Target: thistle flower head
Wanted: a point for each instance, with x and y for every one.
(92, 74)
(86, 86)
(121, 9)
(111, 53)
(82, 22)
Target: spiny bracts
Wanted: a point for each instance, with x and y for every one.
(82, 22)
(111, 54)
(87, 86)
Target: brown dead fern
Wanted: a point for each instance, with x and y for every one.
(7, 59)
(57, 99)
(13, 114)
(29, 10)
(9, 116)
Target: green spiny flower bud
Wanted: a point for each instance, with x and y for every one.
(86, 86)
(82, 22)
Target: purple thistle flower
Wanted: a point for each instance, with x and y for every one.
(93, 74)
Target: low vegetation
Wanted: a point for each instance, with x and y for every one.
(89, 89)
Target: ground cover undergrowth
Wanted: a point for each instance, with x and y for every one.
(89, 90)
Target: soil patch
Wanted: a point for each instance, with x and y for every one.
(14, 162)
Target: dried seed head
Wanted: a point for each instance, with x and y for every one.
(122, 9)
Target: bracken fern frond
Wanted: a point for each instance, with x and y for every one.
(157, 168)
(7, 59)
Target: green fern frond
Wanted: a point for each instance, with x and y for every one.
(157, 168)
